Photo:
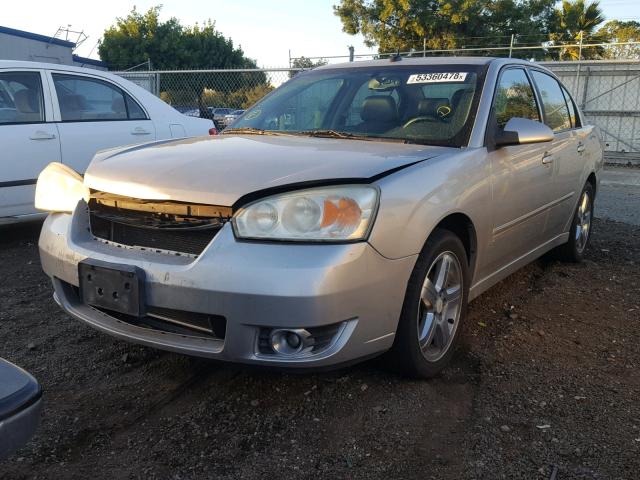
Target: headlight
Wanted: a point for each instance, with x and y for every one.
(59, 189)
(317, 214)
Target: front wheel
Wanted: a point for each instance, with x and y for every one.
(434, 307)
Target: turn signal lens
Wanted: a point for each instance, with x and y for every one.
(341, 212)
(59, 189)
(320, 214)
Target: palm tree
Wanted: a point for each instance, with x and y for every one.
(577, 20)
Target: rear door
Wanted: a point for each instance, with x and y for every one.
(572, 174)
(521, 179)
(95, 114)
(566, 149)
(27, 139)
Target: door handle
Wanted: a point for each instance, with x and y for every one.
(581, 147)
(547, 158)
(42, 135)
(140, 131)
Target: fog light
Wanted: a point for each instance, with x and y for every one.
(293, 340)
(290, 342)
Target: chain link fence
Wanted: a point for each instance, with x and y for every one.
(607, 91)
(538, 48)
(609, 95)
(211, 93)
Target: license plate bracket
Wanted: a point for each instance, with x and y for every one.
(115, 287)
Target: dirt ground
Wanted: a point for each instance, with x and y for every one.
(546, 383)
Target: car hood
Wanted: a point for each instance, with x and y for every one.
(219, 170)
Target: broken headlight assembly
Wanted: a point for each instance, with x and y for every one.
(59, 189)
(325, 214)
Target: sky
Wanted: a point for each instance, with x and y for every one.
(266, 30)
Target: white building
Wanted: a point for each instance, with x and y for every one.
(21, 45)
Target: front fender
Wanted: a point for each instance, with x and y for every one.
(414, 200)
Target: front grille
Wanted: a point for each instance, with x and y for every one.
(191, 324)
(156, 225)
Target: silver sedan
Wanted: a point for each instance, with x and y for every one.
(355, 210)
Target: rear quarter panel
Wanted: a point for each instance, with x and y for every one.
(162, 114)
(591, 161)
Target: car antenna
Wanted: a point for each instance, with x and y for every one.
(396, 57)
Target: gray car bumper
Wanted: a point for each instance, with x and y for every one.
(20, 407)
(17, 429)
(254, 286)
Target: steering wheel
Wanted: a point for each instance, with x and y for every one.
(442, 113)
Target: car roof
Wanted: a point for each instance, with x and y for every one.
(422, 61)
(52, 66)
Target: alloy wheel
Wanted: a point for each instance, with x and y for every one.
(583, 224)
(440, 306)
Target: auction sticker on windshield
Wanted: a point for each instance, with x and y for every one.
(437, 77)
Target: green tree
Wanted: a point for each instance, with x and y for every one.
(619, 31)
(306, 63)
(169, 45)
(405, 24)
(576, 20)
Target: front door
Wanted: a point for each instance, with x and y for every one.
(27, 140)
(521, 177)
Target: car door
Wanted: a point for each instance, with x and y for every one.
(28, 140)
(566, 150)
(94, 114)
(521, 178)
(589, 152)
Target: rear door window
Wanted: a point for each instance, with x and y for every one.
(573, 110)
(556, 112)
(134, 110)
(84, 99)
(21, 98)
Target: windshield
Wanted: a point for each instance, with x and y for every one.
(418, 104)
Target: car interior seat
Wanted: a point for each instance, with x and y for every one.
(461, 105)
(379, 114)
(72, 106)
(118, 109)
(27, 105)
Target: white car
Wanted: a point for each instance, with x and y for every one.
(229, 118)
(57, 113)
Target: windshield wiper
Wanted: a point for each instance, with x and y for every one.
(332, 134)
(319, 134)
(251, 131)
(351, 136)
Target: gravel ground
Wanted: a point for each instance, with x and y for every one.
(546, 379)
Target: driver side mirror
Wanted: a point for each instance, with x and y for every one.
(522, 131)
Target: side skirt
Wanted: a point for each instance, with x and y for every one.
(489, 281)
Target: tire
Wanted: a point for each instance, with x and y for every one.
(429, 311)
(580, 231)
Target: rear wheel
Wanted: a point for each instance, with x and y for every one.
(580, 232)
(434, 307)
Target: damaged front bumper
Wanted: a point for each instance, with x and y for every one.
(343, 299)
